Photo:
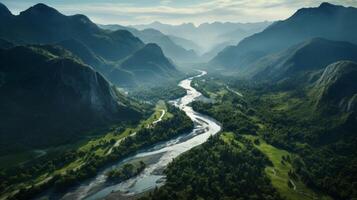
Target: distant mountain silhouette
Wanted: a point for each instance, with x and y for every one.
(150, 64)
(4, 12)
(43, 24)
(48, 96)
(170, 48)
(186, 43)
(328, 21)
(208, 35)
(102, 49)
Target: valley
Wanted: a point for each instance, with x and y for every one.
(94, 106)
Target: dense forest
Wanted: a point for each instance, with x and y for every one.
(288, 119)
(153, 111)
(218, 170)
(144, 138)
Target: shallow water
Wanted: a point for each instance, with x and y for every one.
(156, 158)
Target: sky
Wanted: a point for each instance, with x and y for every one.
(132, 12)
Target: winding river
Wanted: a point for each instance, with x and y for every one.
(156, 158)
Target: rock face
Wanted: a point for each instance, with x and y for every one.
(327, 21)
(338, 86)
(47, 96)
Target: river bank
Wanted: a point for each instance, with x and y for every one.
(156, 157)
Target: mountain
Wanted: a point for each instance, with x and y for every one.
(295, 63)
(84, 53)
(4, 12)
(233, 38)
(102, 49)
(169, 29)
(328, 21)
(337, 87)
(215, 50)
(185, 43)
(50, 97)
(149, 64)
(43, 24)
(170, 48)
(207, 35)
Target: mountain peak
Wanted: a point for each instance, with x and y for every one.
(4, 11)
(330, 7)
(152, 57)
(41, 9)
(326, 5)
(153, 47)
(156, 23)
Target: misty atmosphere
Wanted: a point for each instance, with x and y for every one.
(178, 100)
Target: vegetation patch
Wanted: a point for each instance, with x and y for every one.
(126, 171)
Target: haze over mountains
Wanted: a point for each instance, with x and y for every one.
(278, 107)
(328, 21)
(102, 49)
(209, 35)
(171, 48)
(314, 48)
(298, 60)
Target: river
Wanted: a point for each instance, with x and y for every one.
(156, 158)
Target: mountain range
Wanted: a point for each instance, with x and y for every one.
(208, 35)
(327, 21)
(41, 24)
(285, 94)
(297, 62)
(172, 49)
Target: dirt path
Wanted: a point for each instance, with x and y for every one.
(160, 118)
(118, 142)
(235, 92)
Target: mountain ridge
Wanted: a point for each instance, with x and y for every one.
(54, 97)
(337, 86)
(301, 58)
(140, 64)
(103, 50)
(328, 21)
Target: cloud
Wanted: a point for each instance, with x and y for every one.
(179, 11)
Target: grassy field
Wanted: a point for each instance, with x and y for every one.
(113, 136)
(99, 145)
(278, 173)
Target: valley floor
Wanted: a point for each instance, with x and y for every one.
(249, 159)
(98, 147)
(210, 171)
